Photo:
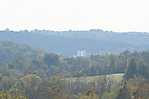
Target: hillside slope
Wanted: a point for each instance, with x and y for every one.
(69, 42)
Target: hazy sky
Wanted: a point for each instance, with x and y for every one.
(116, 15)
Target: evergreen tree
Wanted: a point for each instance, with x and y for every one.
(132, 69)
(124, 92)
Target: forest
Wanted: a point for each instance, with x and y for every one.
(29, 73)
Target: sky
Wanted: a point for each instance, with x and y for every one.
(115, 15)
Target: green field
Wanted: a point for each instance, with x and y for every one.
(88, 79)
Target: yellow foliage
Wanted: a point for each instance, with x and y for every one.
(5, 95)
(89, 95)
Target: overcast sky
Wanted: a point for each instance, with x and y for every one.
(116, 15)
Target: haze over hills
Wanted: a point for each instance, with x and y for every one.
(29, 73)
(69, 42)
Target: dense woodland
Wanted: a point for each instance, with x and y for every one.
(94, 41)
(27, 73)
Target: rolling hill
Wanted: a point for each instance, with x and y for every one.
(69, 42)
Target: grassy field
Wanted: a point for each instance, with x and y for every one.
(89, 79)
(98, 83)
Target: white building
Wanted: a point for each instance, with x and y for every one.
(81, 53)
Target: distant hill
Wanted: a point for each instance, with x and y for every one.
(69, 42)
(18, 59)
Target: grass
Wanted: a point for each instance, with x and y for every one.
(88, 79)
